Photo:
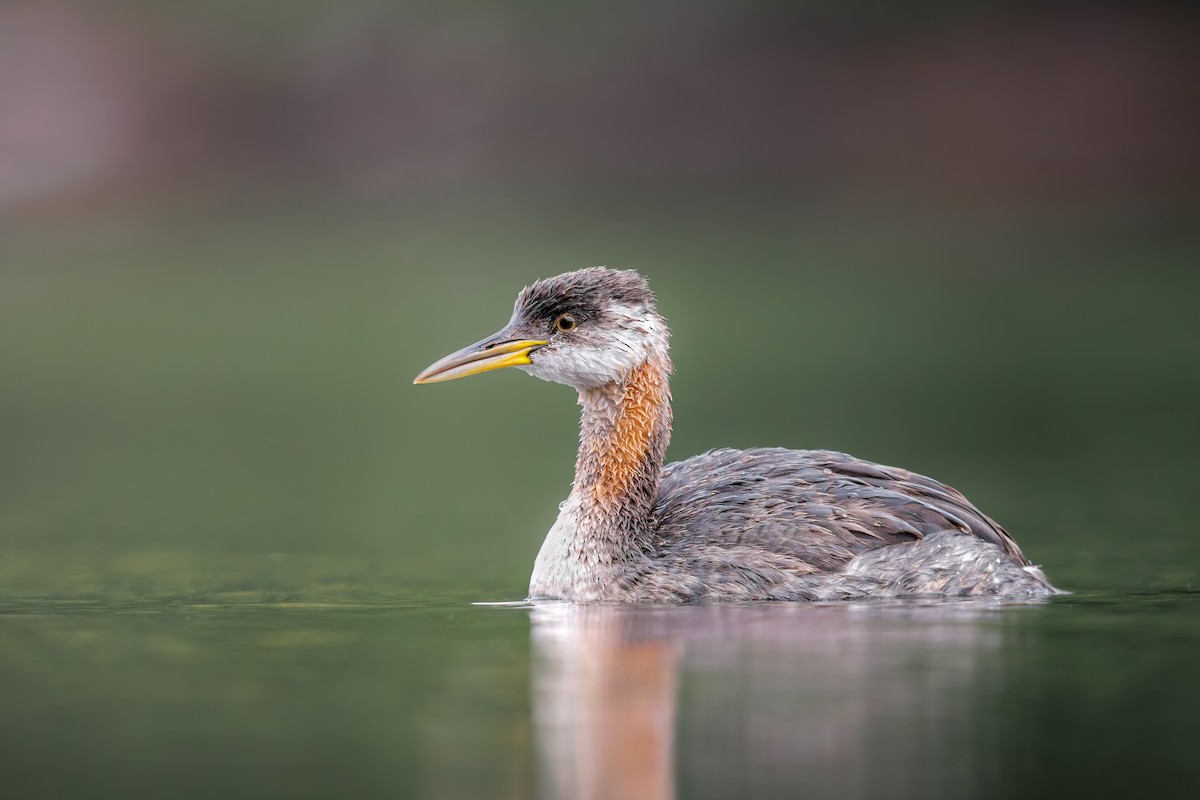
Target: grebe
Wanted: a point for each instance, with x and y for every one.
(761, 524)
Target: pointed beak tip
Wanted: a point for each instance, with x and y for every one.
(427, 375)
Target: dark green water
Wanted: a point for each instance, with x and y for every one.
(240, 551)
(1089, 694)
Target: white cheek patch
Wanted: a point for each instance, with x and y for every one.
(633, 336)
(582, 367)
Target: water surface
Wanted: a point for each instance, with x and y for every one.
(385, 697)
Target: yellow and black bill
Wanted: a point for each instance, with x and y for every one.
(502, 349)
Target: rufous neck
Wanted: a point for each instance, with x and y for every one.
(624, 431)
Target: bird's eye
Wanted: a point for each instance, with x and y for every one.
(565, 323)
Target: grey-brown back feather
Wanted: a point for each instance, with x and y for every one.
(774, 516)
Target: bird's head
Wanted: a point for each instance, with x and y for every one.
(586, 329)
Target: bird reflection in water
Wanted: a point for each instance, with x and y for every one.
(604, 694)
(760, 699)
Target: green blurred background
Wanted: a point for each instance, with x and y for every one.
(960, 237)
